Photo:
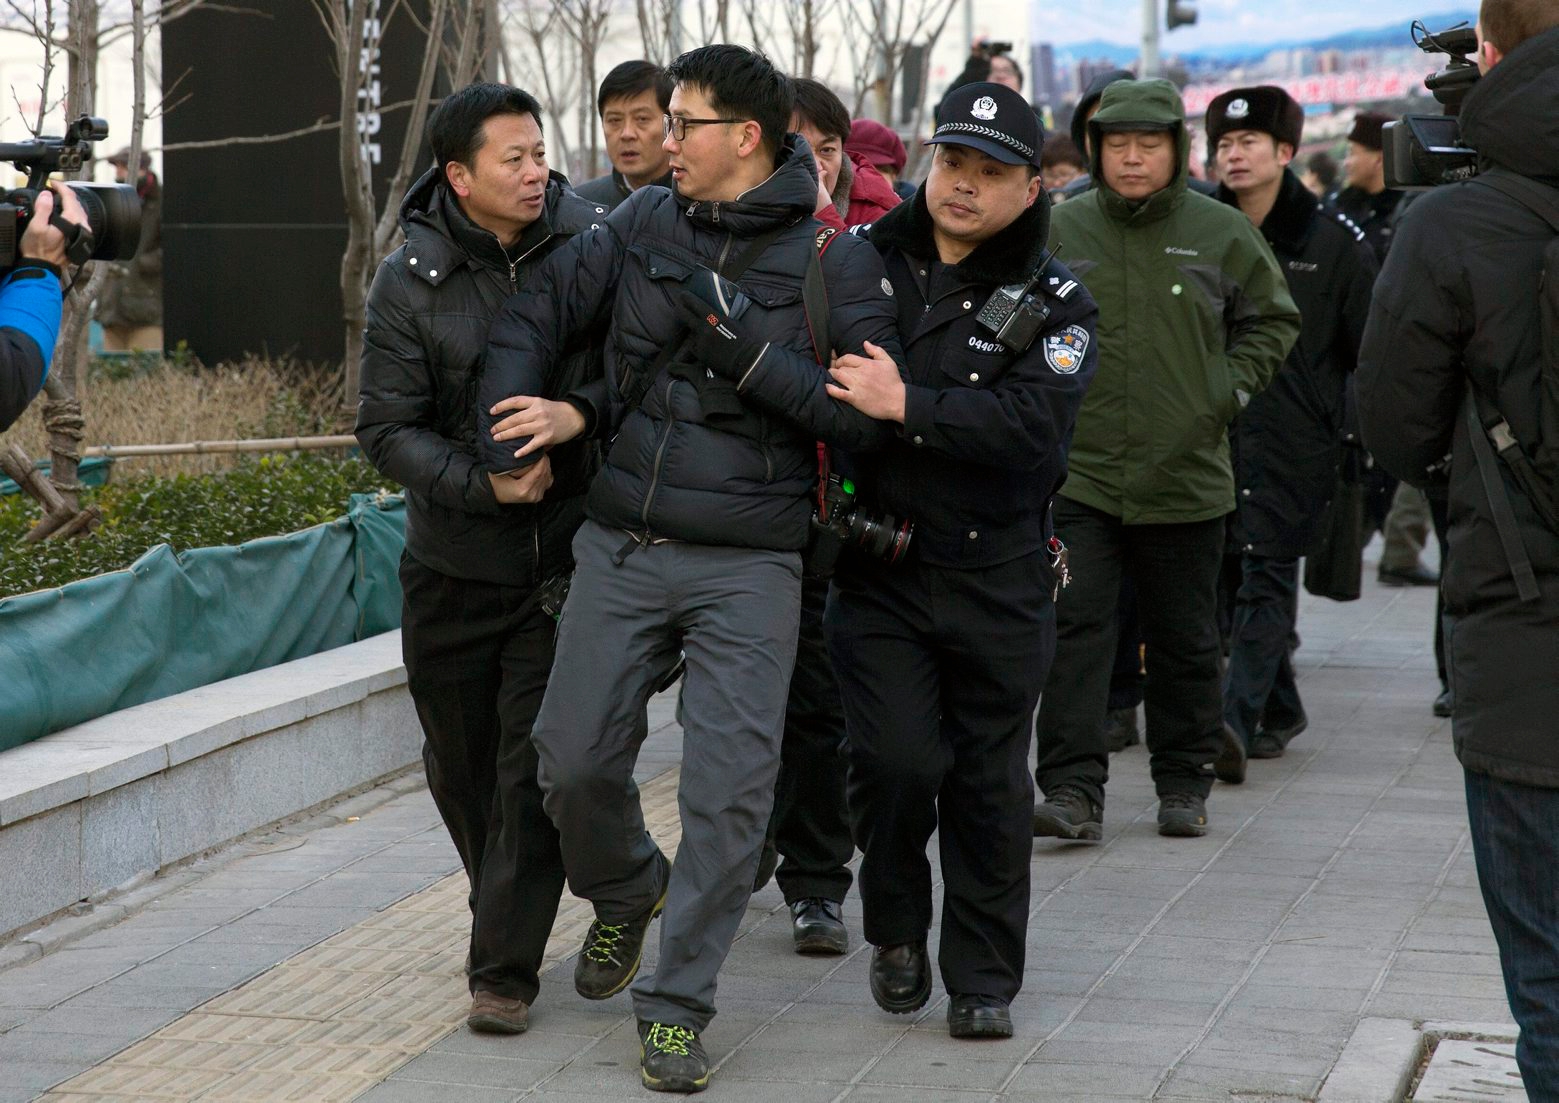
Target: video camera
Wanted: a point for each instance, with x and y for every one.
(1422, 151)
(113, 210)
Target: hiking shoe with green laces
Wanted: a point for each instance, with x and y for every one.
(672, 1059)
(609, 959)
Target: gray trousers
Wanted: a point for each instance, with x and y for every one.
(1406, 529)
(734, 612)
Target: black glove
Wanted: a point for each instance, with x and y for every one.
(716, 344)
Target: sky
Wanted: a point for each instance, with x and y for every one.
(1228, 22)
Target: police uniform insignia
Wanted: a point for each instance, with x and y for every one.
(984, 108)
(1238, 109)
(1064, 350)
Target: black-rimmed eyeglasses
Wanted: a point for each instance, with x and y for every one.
(676, 126)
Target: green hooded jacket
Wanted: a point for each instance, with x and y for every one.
(1194, 318)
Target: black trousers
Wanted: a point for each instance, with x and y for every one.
(1175, 568)
(1265, 608)
(810, 825)
(939, 671)
(477, 659)
(1126, 674)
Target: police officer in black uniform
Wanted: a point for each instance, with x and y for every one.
(941, 655)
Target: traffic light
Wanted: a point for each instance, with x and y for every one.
(1182, 13)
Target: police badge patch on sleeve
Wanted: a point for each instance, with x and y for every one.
(1064, 350)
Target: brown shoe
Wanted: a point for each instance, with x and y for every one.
(494, 1014)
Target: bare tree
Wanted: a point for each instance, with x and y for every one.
(658, 28)
(558, 42)
(355, 30)
(789, 31)
(881, 34)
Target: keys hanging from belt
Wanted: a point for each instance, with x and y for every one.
(1060, 565)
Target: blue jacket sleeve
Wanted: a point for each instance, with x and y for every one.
(29, 325)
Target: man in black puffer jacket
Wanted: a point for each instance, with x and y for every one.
(1458, 306)
(478, 646)
(1286, 444)
(696, 522)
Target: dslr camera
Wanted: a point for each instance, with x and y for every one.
(986, 48)
(113, 210)
(1422, 151)
(839, 523)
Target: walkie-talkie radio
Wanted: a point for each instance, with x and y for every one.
(1015, 314)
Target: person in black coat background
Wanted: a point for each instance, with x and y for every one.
(1286, 444)
(1457, 313)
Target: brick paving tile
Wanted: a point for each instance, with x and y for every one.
(1336, 883)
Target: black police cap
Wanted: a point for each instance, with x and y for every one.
(993, 119)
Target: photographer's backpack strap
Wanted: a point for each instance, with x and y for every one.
(1499, 504)
(1536, 467)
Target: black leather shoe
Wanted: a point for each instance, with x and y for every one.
(1445, 704)
(901, 977)
(817, 925)
(979, 1017)
(1416, 575)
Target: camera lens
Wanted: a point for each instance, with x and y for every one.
(883, 537)
(114, 213)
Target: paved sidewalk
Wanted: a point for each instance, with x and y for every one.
(1336, 884)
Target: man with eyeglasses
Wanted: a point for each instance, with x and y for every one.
(713, 400)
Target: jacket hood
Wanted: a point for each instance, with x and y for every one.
(1011, 255)
(1509, 116)
(1287, 225)
(440, 231)
(787, 195)
(870, 195)
(1091, 96)
(1150, 105)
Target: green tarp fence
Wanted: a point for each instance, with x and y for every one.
(93, 471)
(171, 623)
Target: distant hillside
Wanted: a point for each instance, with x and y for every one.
(1382, 37)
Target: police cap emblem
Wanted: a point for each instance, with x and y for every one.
(1238, 109)
(984, 108)
(1064, 350)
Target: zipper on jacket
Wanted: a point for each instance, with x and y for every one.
(714, 212)
(660, 456)
(725, 250)
(514, 265)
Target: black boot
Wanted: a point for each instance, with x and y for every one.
(901, 977)
(1069, 813)
(817, 925)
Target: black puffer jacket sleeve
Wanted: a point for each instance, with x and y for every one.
(1410, 382)
(397, 408)
(790, 384)
(526, 342)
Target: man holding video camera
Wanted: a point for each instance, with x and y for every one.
(1461, 358)
(30, 302)
(940, 655)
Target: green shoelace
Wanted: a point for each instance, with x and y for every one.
(603, 944)
(670, 1039)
